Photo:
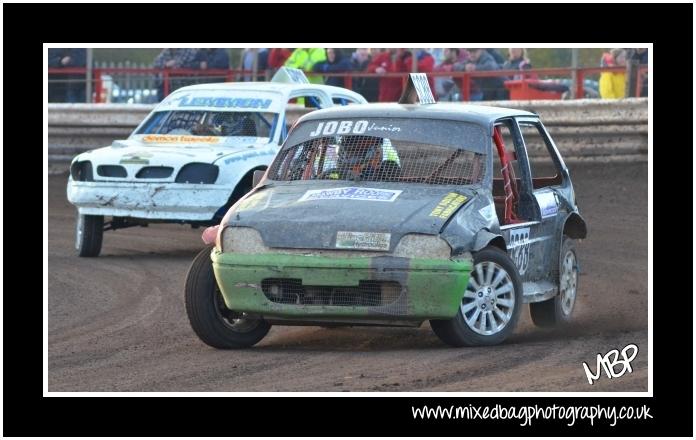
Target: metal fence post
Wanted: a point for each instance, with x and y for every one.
(579, 87)
(466, 87)
(632, 78)
(255, 65)
(574, 73)
(88, 77)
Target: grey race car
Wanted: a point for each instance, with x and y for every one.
(390, 214)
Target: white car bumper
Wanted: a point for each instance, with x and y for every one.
(157, 201)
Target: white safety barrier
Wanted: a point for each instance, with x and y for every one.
(611, 129)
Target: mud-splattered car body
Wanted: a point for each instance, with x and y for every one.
(193, 156)
(397, 246)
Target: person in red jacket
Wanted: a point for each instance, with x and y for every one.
(277, 57)
(426, 64)
(385, 62)
(394, 61)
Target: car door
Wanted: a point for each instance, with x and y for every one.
(547, 180)
(525, 233)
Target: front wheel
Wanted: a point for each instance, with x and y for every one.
(490, 306)
(557, 310)
(89, 230)
(211, 320)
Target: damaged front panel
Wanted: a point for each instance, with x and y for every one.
(283, 285)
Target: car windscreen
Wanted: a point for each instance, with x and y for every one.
(210, 123)
(393, 155)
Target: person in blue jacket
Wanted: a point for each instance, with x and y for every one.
(67, 87)
(212, 59)
(335, 63)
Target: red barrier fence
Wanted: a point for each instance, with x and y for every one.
(163, 77)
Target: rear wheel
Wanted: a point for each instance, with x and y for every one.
(557, 310)
(211, 320)
(89, 230)
(491, 304)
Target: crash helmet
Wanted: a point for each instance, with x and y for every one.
(360, 151)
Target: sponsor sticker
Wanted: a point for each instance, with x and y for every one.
(547, 203)
(172, 139)
(374, 241)
(246, 156)
(488, 212)
(330, 128)
(219, 102)
(136, 158)
(446, 207)
(352, 193)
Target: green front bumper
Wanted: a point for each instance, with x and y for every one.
(430, 288)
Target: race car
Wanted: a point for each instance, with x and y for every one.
(394, 214)
(191, 158)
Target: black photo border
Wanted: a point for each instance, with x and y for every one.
(27, 412)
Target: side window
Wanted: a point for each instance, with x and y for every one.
(543, 168)
(510, 148)
(343, 100)
(517, 210)
(308, 101)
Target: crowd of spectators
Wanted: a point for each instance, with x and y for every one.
(323, 64)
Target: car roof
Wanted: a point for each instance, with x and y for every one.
(266, 86)
(478, 114)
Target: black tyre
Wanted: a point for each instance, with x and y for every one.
(558, 310)
(491, 304)
(89, 230)
(213, 322)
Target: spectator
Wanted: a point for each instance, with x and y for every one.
(439, 54)
(277, 57)
(517, 60)
(248, 56)
(67, 87)
(367, 87)
(335, 63)
(484, 88)
(263, 64)
(499, 59)
(384, 63)
(305, 59)
(217, 59)
(464, 56)
(398, 60)
(641, 55)
(174, 59)
(612, 85)
(445, 87)
(426, 64)
(213, 59)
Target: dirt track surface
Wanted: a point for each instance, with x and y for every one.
(117, 322)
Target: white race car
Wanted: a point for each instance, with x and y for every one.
(191, 158)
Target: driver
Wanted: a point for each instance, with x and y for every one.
(358, 157)
(235, 124)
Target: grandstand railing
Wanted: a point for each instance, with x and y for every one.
(164, 81)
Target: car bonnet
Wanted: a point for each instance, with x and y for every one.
(300, 215)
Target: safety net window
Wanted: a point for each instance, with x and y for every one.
(209, 123)
(377, 159)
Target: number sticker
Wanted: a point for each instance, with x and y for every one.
(519, 248)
